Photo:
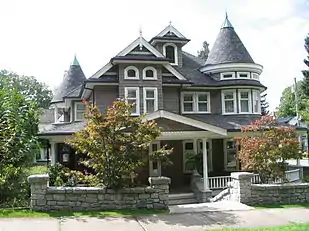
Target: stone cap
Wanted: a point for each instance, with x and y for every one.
(42, 178)
(242, 175)
(159, 180)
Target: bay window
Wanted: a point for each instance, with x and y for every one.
(256, 102)
(244, 97)
(229, 102)
(132, 96)
(150, 99)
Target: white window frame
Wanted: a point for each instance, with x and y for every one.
(155, 75)
(155, 98)
(243, 73)
(175, 52)
(249, 101)
(126, 73)
(195, 103)
(227, 73)
(223, 102)
(126, 89)
(259, 101)
(78, 111)
(255, 76)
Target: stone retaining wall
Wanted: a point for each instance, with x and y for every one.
(45, 198)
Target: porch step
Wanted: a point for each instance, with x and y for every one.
(181, 198)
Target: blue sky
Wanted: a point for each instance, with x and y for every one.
(40, 38)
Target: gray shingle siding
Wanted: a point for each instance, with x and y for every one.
(171, 99)
(104, 96)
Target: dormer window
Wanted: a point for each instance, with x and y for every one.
(79, 111)
(170, 52)
(227, 75)
(149, 73)
(243, 75)
(131, 72)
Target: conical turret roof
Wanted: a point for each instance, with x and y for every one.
(71, 80)
(228, 48)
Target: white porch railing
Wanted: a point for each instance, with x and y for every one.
(218, 182)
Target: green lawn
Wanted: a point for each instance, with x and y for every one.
(276, 206)
(292, 227)
(10, 213)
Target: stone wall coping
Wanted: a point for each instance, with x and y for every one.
(41, 178)
(159, 180)
(241, 175)
(280, 186)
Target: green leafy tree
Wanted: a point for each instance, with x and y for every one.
(264, 105)
(204, 52)
(305, 83)
(116, 144)
(266, 151)
(18, 129)
(28, 86)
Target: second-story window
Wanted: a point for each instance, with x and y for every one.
(132, 96)
(229, 102)
(256, 102)
(170, 52)
(131, 72)
(195, 102)
(150, 99)
(149, 73)
(227, 75)
(79, 111)
(244, 97)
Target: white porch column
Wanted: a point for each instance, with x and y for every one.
(53, 152)
(205, 165)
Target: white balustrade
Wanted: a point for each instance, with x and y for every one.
(219, 182)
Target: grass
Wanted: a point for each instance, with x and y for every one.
(276, 206)
(10, 213)
(291, 227)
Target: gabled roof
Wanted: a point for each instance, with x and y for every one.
(71, 80)
(170, 33)
(228, 48)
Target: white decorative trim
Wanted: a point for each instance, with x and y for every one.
(175, 52)
(249, 101)
(195, 103)
(102, 71)
(155, 98)
(126, 89)
(140, 41)
(243, 73)
(227, 73)
(259, 101)
(131, 68)
(174, 72)
(140, 53)
(223, 102)
(78, 111)
(186, 120)
(155, 75)
(252, 67)
(170, 28)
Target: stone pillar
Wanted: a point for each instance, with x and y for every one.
(241, 186)
(38, 185)
(161, 185)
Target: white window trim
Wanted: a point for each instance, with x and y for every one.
(255, 74)
(126, 89)
(223, 102)
(195, 102)
(227, 73)
(242, 73)
(155, 74)
(175, 52)
(129, 68)
(249, 101)
(155, 95)
(259, 102)
(76, 111)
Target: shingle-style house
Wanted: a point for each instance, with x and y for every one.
(199, 105)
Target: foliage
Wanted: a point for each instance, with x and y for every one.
(195, 161)
(116, 143)
(265, 152)
(29, 87)
(203, 53)
(264, 105)
(18, 128)
(305, 83)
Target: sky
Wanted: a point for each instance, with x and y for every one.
(41, 37)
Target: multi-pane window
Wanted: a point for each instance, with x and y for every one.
(132, 96)
(229, 101)
(170, 52)
(149, 73)
(227, 75)
(195, 102)
(79, 111)
(150, 99)
(131, 72)
(244, 101)
(256, 101)
(243, 75)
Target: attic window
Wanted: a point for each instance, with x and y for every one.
(227, 75)
(131, 72)
(243, 75)
(149, 73)
(170, 52)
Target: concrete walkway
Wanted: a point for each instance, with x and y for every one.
(164, 222)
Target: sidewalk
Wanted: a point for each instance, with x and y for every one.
(164, 222)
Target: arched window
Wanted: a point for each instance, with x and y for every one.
(149, 73)
(131, 72)
(170, 52)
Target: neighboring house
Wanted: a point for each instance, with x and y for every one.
(199, 105)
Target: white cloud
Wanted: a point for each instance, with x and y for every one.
(40, 37)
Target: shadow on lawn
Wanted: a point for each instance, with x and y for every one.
(276, 206)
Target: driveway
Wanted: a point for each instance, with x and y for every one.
(164, 222)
